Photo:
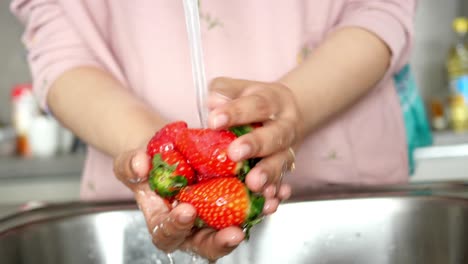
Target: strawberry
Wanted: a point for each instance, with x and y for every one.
(170, 172)
(206, 151)
(165, 137)
(224, 202)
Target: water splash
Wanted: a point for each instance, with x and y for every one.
(222, 157)
(221, 201)
(192, 19)
(197, 259)
(170, 258)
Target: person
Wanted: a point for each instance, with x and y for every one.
(318, 74)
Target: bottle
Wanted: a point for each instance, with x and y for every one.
(24, 110)
(457, 68)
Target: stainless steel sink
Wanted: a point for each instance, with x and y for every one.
(416, 224)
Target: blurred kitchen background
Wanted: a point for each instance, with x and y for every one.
(52, 172)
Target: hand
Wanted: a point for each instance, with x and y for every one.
(172, 229)
(237, 102)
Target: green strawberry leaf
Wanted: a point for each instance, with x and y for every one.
(255, 213)
(162, 179)
(159, 162)
(241, 130)
(199, 223)
(247, 165)
(165, 184)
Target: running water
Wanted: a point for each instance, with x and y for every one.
(192, 20)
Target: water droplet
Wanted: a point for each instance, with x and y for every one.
(171, 259)
(222, 157)
(135, 181)
(168, 147)
(221, 201)
(155, 229)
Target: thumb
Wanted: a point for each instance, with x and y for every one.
(132, 167)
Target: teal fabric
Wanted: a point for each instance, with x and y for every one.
(418, 130)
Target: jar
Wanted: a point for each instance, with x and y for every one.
(24, 109)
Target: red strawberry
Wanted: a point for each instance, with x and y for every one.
(206, 151)
(223, 202)
(165, 137)
(170, 172)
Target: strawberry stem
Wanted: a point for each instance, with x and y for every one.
(162, 179)
(256, 208)
(247, 165)
(199, 223)
(241, 130)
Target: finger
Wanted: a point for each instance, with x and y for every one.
(271, 205)
(269, 171)
(216, 100)
(151, 205)
(228, 87)
(272, 137)
(284, 192)
(170, 230)
(223, 90)
(213, 244)
(257, 104)
(270, 192)
(131, 167)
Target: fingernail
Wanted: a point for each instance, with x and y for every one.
(219, 121)
(135, 166)
(233, 241)
(263, 178)
(241, 152)
(270, 191)
(186, 217)
(270, 206)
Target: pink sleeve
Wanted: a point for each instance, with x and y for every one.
(391, 20)
(52, 44)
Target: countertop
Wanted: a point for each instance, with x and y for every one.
(8, 209)
(66, 165)
(446, 145)
(58, 178)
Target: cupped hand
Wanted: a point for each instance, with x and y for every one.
(172, 229)
(235, 102)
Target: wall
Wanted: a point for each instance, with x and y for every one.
(433, 38)
(13, 66)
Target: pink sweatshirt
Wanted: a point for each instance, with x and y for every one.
(144, 45)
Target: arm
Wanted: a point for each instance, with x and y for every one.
(75, 85)
(102, 112)
(368, 44)
(85, 96)
(343, 69)
(371, 42)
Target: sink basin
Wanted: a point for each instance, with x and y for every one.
(405, 226)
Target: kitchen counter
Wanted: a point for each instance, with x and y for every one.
(8, 209)
(57, 179)
(69, 165)
(54, 179)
